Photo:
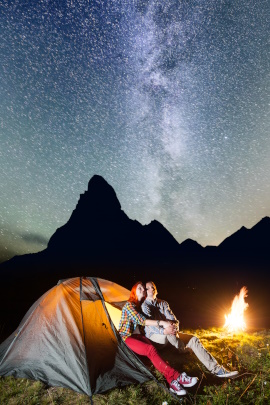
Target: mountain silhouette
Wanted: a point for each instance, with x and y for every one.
(100, 240)
(99, 229)
(252, 244)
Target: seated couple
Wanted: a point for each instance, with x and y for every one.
(160, 325)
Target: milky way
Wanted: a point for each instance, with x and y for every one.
(168, 101)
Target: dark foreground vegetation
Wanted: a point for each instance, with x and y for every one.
(248, 352)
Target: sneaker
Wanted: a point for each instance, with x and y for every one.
(223, 373)
(187, 381)
(176, 388)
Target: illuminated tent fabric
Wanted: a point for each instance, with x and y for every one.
(68, 339)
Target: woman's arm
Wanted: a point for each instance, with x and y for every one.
(165, 324)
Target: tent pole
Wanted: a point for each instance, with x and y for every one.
(87, 365)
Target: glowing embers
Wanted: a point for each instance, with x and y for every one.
(235, 320)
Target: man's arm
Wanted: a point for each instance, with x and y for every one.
(168, 313)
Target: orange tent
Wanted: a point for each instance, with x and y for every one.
(69, 338)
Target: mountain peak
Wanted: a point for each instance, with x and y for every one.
(190, 242)
(97, 209)
(101, 192)
(249, 239)
(265, 221)
(190, 245)
(97, 181)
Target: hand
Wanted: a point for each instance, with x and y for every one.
(170, 330)
(167, 324)
(176, 324)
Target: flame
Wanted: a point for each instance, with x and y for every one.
(235, 320)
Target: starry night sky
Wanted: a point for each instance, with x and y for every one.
(167, 100)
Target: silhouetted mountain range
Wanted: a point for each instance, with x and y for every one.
(100, 240)
(98, 229)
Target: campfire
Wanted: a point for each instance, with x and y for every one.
(235, 320)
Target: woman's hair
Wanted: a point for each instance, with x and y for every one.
(133, 296)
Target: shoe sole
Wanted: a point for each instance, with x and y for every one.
(178, 392)
(228, 375)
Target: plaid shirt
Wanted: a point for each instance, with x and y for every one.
(156, 309)
(130, 318)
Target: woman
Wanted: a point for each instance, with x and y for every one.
(130, 321)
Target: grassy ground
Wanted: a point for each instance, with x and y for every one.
(249, 353)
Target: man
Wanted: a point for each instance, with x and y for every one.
(160, 310)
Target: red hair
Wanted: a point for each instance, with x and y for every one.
(133, 296)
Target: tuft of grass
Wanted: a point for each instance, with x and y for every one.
(247, 352)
